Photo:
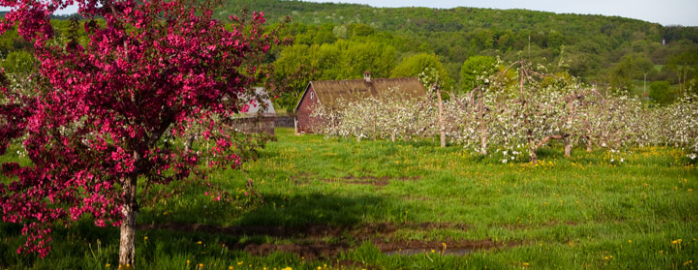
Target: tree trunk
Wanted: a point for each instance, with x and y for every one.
(127, 245)
(483, 139)
(190, 142)
(568, 147)
(534, 156)
(442, 124)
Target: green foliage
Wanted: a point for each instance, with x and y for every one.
(684, 66)
(414, 65)
(660, 92)
(631, 67)
(300, 63)
(593, 43)
(475, 69)
(19, 62)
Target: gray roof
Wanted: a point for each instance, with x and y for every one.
(266, 108)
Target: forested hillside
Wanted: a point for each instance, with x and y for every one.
(339, 41)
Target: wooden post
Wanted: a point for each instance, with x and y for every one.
(295, 126)
(442, 124)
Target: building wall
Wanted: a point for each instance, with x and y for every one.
(285, 121)
(255, 125)
(307, 106)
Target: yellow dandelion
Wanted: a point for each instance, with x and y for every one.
(240, 263)
(107, 265)
(230, 268)
(525, 264)
(145, 238)
(199, 242)
(630, 241)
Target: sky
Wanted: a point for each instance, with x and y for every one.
(665, 12)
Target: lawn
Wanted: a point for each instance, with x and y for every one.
(317, 203)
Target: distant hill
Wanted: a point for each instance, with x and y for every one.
(592, 46)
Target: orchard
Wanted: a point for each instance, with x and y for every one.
(515, 115)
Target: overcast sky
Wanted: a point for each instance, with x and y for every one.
(666, 12)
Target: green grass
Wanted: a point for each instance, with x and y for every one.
(574, 213)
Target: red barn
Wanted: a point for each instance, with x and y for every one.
(328, 94)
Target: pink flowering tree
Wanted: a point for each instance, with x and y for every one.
(95, 122)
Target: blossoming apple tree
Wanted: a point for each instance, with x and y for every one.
(94, 123)
(517, 112)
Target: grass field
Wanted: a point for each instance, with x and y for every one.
(340, 204)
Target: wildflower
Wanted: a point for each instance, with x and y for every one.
(199, 242)
(230, 268)
(145, 238)
(630, 241)
(525, 264)
(107, 265)
(240, 263)
(201, 265)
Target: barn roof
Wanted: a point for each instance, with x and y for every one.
(332, 93)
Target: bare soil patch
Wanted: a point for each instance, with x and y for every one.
(370, 180)
(313, 244)
(304, 178)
